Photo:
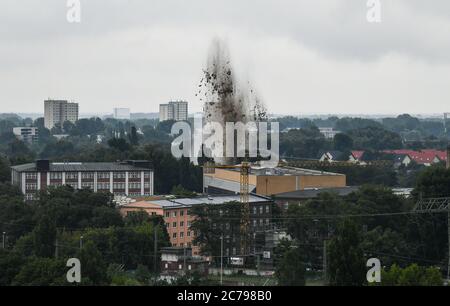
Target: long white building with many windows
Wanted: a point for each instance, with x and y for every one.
(128, 178)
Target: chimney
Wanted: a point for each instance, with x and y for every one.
(42, 165)
(448, 157)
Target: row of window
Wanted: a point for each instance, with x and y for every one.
(89, 175)
(261, 209)
(181, 235)
(174, 224)
(174, 213)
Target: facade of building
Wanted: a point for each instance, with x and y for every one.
(122, 113)
(328, 132)
(26, 134)
(174, 110)
(130, 178)
(178, 220)
(179, 261)
(270, 181)
(58, 112)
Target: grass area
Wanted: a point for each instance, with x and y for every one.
(244, 280)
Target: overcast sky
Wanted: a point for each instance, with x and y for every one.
(302, 56)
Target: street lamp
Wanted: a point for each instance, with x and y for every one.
(221, 259)
(81, 242)
(3, 243)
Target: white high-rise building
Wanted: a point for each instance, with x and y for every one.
(59, 111)
(122, 113)
(174, 110)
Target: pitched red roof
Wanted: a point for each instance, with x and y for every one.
(421, 157)
(357, 154)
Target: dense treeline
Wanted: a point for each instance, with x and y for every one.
(67, 223)
(412, 247)
(102, 140)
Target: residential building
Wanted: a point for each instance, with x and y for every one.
(179, 261)
(178, 218)
(58, 112)
(26, 134)
(130, 178)
(270, 181)
(331, 156)
(122, 113)
(425, 157)
(328, 132)
(174, 110)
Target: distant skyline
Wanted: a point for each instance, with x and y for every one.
(303, 57)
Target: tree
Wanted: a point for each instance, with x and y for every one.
(44, 236)
(434, 182)
(412, 275)
(119, 144)
(93, 266)
(342, 142)
(291, 270)
(345, 256)
(134, 139)
(41, 272)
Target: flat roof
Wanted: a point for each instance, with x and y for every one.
(212, 200)
(285, 171)
(81, 166)
(313, 193)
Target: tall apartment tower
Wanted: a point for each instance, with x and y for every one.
(174, 110)
(59, 111)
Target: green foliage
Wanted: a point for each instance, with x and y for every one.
(412, 275)
(291, 270)
(41, 272)
(433, 182)
(345, 256)
(93, 266)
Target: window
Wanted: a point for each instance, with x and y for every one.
(134, 175)
(119, 175)
(174, 235)
(168, 225)
(189, 223)
(180, 267)
(55, 175)
(181, 213)
(188, 233)
(72, 175)
(31, 186)
(181, 223)
(189, 267)
(181, 235)
(146, 174)
(31, 176)
(166, 266)
(254, 223)
(167, 214)
(174, 224)
(174, 214)
(87, 175)
(254, 210)
(267, 209)
(267, 221)
(261, 210)
(103, 175)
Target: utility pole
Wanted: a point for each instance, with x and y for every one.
(437, 205)
(221, 259)
(81, 242)
(325, 276)
(4, 241)
(155, 248)
(184, 258)
(56, 248)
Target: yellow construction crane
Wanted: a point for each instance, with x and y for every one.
(244, 200)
